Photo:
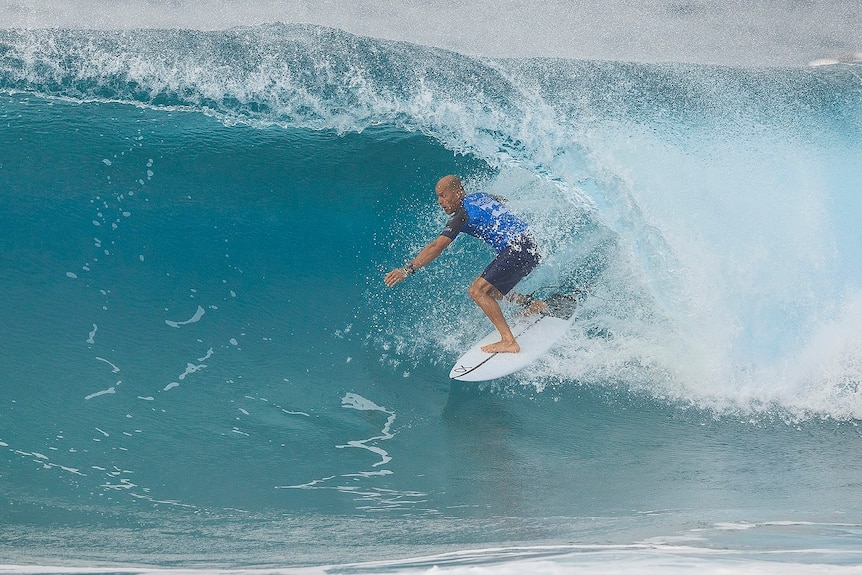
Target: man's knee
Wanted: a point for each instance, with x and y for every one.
(481, 288)
(475, 290)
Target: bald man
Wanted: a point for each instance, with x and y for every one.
(485, 217)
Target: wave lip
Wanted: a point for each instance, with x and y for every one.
(295, 75)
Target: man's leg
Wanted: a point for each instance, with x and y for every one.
(486, 295)
(529, 303)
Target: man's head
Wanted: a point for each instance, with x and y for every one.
(449, 192)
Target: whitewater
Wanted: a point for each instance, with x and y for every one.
(202, 370)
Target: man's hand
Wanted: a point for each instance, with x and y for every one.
(395, 276)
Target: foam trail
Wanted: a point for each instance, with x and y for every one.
(114, 368)
(190, 369)
(109, 391)
(355, 401)
(194, 319)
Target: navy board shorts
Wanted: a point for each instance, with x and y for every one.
(512, 264)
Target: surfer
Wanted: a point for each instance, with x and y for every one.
(485, 217)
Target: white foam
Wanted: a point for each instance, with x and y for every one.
(309, 485)
(356, 401)
(190, 369)
(194, 319)
(110, 390)
(114, 368)
(91, 339)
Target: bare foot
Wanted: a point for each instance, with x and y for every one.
(502, 347)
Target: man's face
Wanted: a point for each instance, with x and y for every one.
(448, 198)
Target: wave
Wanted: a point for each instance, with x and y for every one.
(326, 78)
(708, 208)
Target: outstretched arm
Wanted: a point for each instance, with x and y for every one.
(428, 254)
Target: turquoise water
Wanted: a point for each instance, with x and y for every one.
(203, 370)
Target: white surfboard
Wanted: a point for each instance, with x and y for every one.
(536, 334)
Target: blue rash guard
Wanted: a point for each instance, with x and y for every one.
(485, 217)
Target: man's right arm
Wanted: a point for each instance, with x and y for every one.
(428, 254)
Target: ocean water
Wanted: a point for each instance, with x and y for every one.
(202, 370)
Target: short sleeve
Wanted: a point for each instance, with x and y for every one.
(455, 223)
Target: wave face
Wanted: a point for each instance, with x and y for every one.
(198, 340)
